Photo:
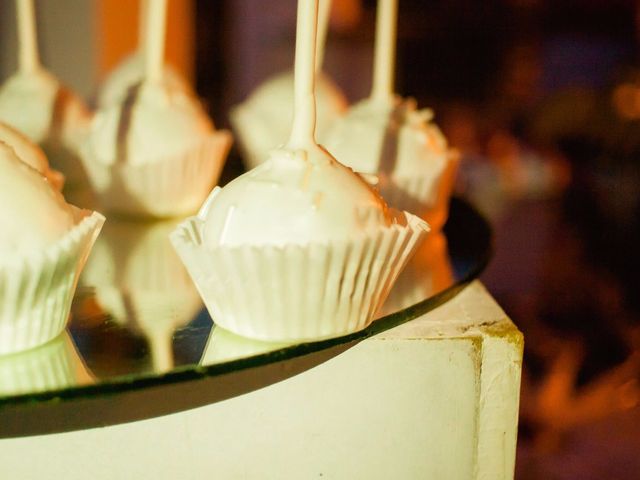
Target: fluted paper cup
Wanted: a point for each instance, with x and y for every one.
(424, 195)
(169, 187)
(36, 290)
(298, 292)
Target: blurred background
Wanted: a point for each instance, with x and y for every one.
(543, 99)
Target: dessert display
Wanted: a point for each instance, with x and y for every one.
(44, 243)
(263, 121)
(156, 153)
(131, 71)
(31, 154)
(35, 102)
(387, 136)
(300, 247)
(139, 280)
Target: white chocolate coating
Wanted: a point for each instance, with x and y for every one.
(390, 137)
(25, 149)
(293, 198)
(129, 73)
(36, 104)
(263, 121)
(162, 122)
(33, 215)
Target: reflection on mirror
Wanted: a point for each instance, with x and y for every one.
(429, 272)
(224, 346)
(140, 283)
(52, 366)
(137, 315)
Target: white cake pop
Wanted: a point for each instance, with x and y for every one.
(263, 121)
(35, 102)
(300, 247)
(309, 197)
(161, 122)
(33, 215)
(30, 153)
(131, 71)
(156, 153)
(389, 137)
(44, 243)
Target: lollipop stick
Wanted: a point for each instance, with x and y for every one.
(324, 15)
(304, 104)
(143, 7)
(155, 33)
(28, 60)
(385, 49)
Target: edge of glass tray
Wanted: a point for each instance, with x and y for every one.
(42, 404)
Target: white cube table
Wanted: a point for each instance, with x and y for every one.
(435, 398)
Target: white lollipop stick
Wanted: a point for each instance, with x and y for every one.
(324, 16)
(385, 50)
(304, 103)
(143, 8)
(155, 38)
(28, 60)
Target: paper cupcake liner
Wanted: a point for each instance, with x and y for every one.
(173, 186)
(36, 290)
(297, 292)
(427, 197)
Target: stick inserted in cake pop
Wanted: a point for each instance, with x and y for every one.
(28, 60)
(143, 18)
(304, 103)
(156, 13)
(385, 50)
(324, 17)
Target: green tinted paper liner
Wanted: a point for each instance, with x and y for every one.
(297, 292)
(36, 290)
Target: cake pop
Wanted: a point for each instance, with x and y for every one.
(300, 247)
(155, 154)
(387, 136)
(36, 103)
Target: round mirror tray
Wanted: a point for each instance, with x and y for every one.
(140, 343)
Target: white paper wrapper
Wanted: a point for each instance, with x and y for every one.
(297, 293)
(36, 290)
(169, 187)
(425, 196)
